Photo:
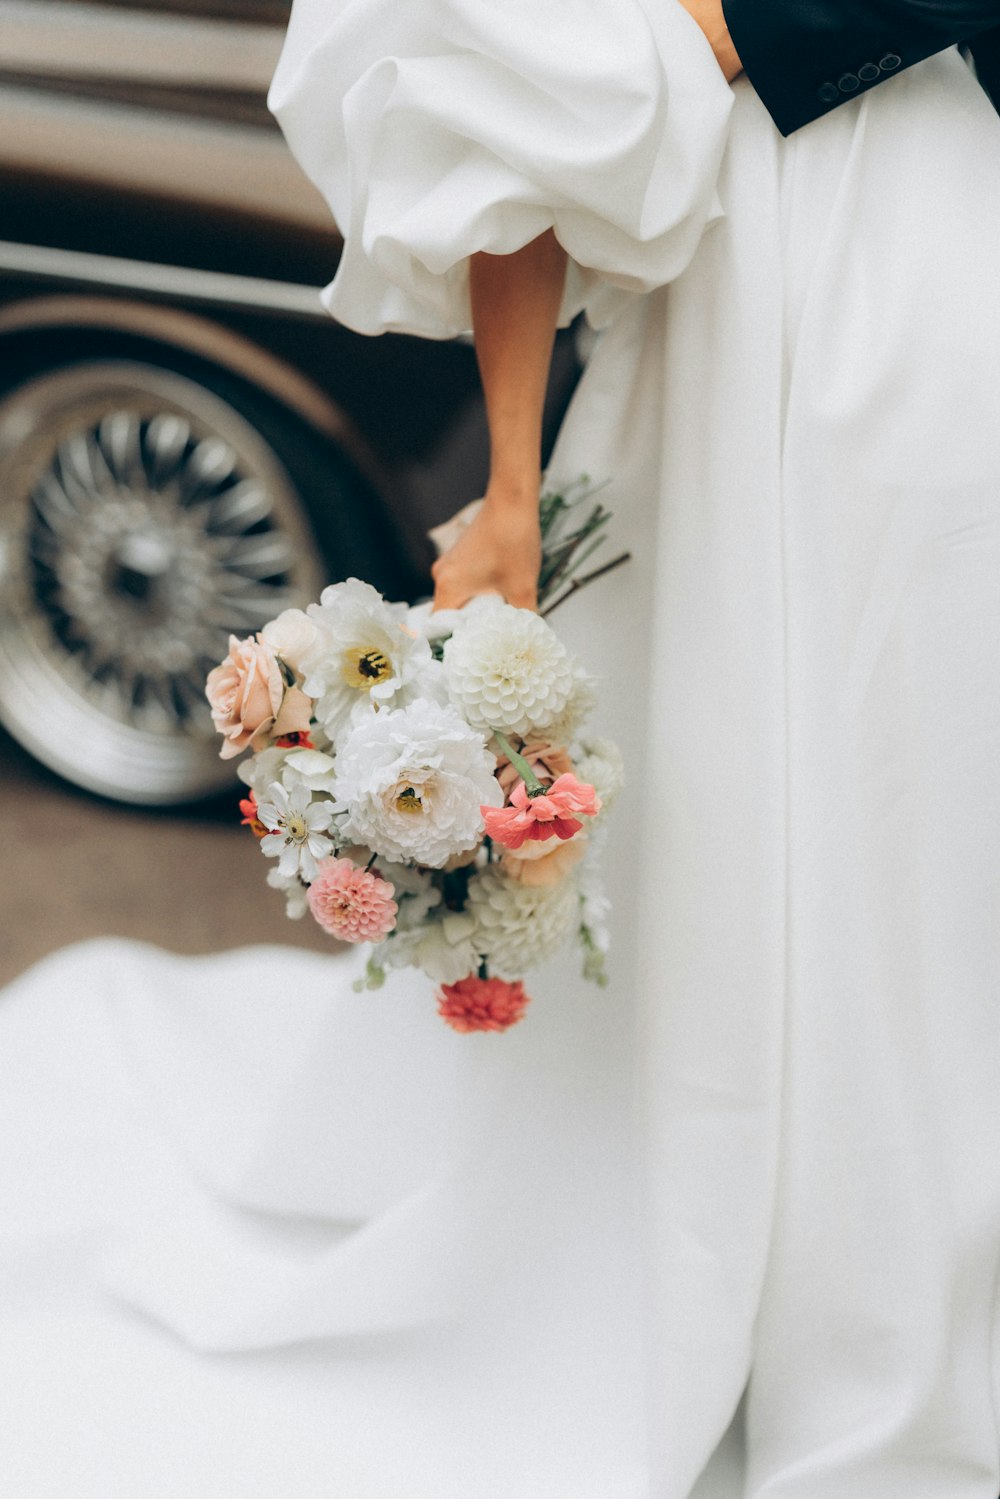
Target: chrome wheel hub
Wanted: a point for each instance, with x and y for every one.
(145, 521)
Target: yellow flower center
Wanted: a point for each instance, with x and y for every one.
(363, 670)
(408, 800)
(296, 829)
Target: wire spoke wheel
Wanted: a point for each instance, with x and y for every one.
(143, 520)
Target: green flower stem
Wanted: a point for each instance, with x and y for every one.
(532, 783)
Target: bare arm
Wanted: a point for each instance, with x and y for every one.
(515, 308)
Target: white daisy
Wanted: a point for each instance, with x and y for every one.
(297, 835)
(413, 781)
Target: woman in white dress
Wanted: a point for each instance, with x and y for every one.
(796, 399)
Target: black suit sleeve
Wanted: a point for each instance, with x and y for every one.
(804, 57)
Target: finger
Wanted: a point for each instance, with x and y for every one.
(524, 598)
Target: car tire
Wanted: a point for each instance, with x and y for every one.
(152, 504)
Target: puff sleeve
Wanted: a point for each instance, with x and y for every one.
(437, 128)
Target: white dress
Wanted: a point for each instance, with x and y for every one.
(527, 1286)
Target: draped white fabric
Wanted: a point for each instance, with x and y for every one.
(802, 437)
(443, 127)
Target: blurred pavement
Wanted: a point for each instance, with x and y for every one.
(74, 867)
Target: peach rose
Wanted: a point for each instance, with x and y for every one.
(249, 701)
(541, 865)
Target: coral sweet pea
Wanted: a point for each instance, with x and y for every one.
(551, 813)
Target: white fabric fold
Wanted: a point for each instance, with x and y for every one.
(437, 128)
(136, 1090)
(301, 1207)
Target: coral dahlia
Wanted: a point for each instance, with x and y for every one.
(475, 1004)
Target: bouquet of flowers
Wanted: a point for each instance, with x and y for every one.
(424, 781)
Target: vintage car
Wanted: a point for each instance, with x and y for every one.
(188, 443)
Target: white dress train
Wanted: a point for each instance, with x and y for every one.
(795, 397)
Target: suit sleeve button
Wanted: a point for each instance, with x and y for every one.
(847, 84)
(890, 61)
(868, 72)
(828, 94)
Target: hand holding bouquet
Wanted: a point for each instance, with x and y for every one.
(424, 781)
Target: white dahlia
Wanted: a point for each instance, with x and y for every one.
(413, 780)
(519, 925)
(506, 670)
(600, 765)
(580, 704)
(364, 656)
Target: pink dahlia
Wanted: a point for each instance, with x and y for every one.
(555, 812)
(475, 1004)
(351, 903)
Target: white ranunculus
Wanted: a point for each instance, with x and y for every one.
(308, 767)
(519, 926)
(447, 949)
(292, 635)
(507, 670)
(259, 771)
(364, 656)
(413, 781)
